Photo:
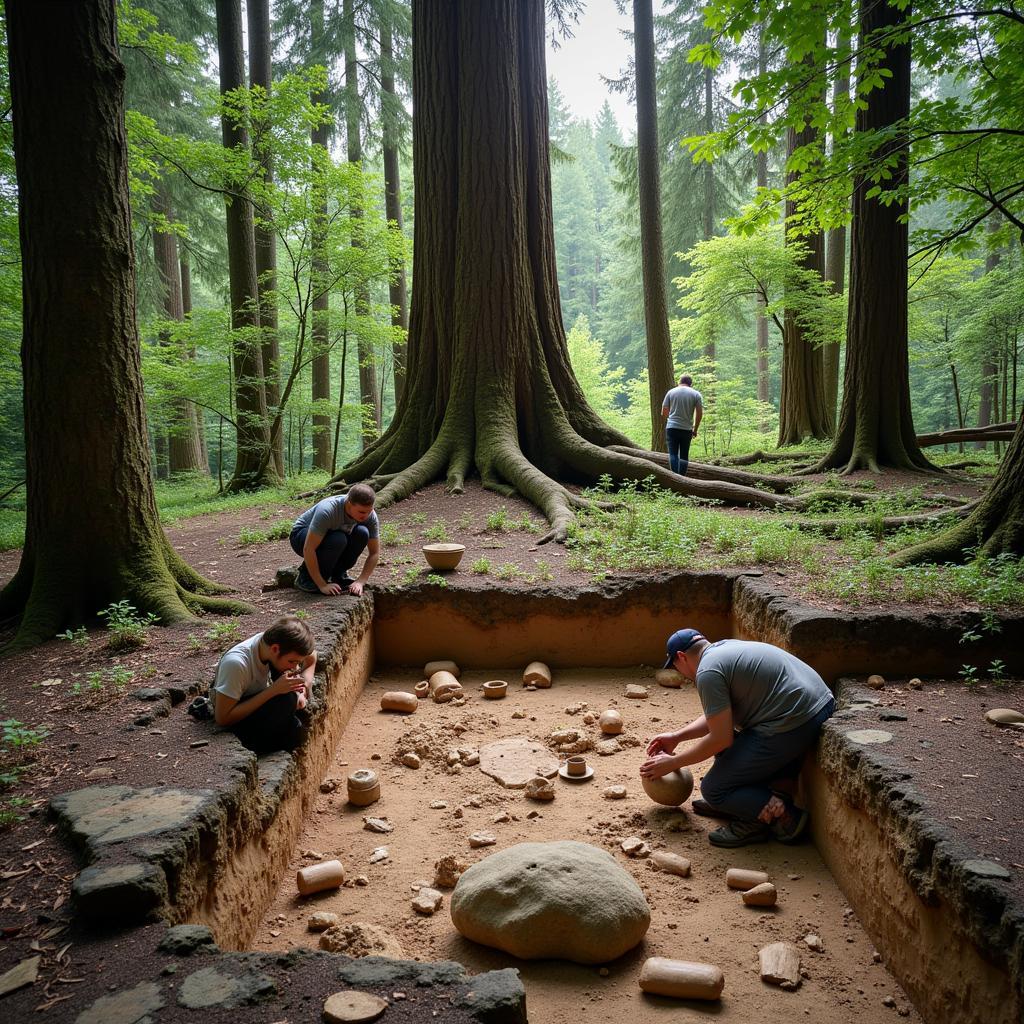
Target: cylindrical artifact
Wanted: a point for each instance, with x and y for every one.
(444, 686)
(328, 874)
(537, 674)
(576, 765)
(682, 979)
(363, 787)
(441, 666)
(495, 689)
(422, 689)
(744, 878)
(399, 700)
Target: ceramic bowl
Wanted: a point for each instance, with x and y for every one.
(443, 557)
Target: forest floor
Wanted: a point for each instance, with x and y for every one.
(68, 707)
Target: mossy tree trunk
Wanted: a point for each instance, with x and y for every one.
(92, 532)
(876, 427)
(490, 388)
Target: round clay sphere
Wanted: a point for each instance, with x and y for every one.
(610, 722)
(672, 789)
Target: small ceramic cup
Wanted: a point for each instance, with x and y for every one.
(576, 765)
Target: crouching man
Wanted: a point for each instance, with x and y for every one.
(763, 708)
(262, 682)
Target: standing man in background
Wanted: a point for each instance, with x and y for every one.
(682, 412)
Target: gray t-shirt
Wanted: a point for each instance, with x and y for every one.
(768, 689)
(241, 674)
(330, 514)
(681, 403)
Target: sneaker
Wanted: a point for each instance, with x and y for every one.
(740, 833)
(706, 810)
(304, 582)
(791, 826)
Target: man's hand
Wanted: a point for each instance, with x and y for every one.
(663, 743)
(658, 765)
(330, 590)
(301, 702)
(288, 682)
(356, 587)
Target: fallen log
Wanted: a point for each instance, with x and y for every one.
(958, 436)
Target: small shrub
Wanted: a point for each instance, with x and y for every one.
(392, 536)
(438, 581)
(17, 736)
(127, 628)
(9, 815)
(76, 637)
(498, 520)
(438, 532)
(465, 521)
(481, 567)
(412, 574)
(507, 571)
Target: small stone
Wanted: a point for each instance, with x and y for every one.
(636, 692)
(575, 709)
(427, 901)
(100, 773)
(322, 920)
(605, 748)
(1003, 716)
(500, 819)
(813, 942)
(614, 792)
(380, 825)
(890, 1002)
(867, 737)
(353, 1007)
(196, 744)
(375, 757)
(328, 785)
(412, 760)
(437, 805)
(518, 714)
(671, 863)
(452, 757)
(478, 839)
(876, 957)
(458, 812)
(447, 871)
(474, 801)
(892, 716)
(472, 758)
(539, 789)
(381, 853)
(589, 718)
(603, 972)
(876, 682)
(361, 880)
(763, 895)
(794, 878)
(532, 815)
(915, 684)
(635, 847)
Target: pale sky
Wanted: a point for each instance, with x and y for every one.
(597, 48)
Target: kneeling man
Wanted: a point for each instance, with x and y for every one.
(763, 708)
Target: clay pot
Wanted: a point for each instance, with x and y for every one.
(576, 765)
(610, 722)
(363, 787)
(537, 674)
(670, 790)
(495, 689)
(328, 874)
(443, 557)
(744, 878)
(443, 687)
(399, 700)
(422, 689)
(682, 979)
(441, 666)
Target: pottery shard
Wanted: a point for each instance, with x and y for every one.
(379, 825)
(540, 789)
(744, 878)
(514, 761)
(447, 871)
(566, 900)
(427, 901)
(780, 965)
(614, 793)
(1004, 716)
(441, 666)
(671, 863)
(358, 939)
(668, 677)
(763, 895)
(637, 692)
(537, 674)
(322, 920)
(876, 682)
(478, 839)
(353, 1007)
(635, 847)
(443, 687)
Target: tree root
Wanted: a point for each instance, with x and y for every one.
(761, 456)
(704, 471)
(835, 527)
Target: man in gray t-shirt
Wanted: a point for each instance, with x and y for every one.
(682, 411)
(763, 708)
(330, 536)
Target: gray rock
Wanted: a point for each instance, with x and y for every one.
(119, 892)
(986, 869)
(892, 716)
(126, 1007)
(427, 901)
(209, 987)
(868, 736)
(497, 997)
(184, 939)
(566, 900)
(150, 693)
(377, 972)
(512, 762)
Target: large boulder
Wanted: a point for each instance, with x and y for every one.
(563, 900)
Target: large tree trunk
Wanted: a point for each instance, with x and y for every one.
(185, 269)
(708, 201)
(761, 170)
(989, 371)
(253, 462)
(490, 386)
(659, 344)
(803, 411)
(258, 14)
(364, 344)
(876, 427)
(186, 453)
(995, 527)
(393, 201)
(92, 532)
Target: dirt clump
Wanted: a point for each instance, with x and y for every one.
(358, 939)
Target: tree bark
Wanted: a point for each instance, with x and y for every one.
(253, 462)
(265, 241)
(353, 141)
(659, 345)
(876, 427)
(393, 202)
(85, 422)
(185, 269)
(761, 170)
(989, 371)
(708, 211)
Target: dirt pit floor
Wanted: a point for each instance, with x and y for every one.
(696, 918)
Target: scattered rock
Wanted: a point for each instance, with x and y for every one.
(813, 942)
(185, 939)
(1004, 716)
(125, 1007)
(361, 880)
(104, 772)
(605, 748)
(892, 716)
(437, 805)
(668, 677)
(501, 817)
(518, 713)
(328, 785)
(575, 709)
(474, 801)
(196, 744)
(381, 853)
(478, 839)
(358, 939)
(763, 895)
(890, 1002)
(565, 900)
(427, 901)
(514, 761)
(471, 759)
(411, 760)
(780, 965)
(633, 846)
(322, 920)
(915, 684)
(614, 793)
(20, 975)
(447, 871)
(352, 1007)
(380, 825)
(671, 863)
(540, 789)
(589, 718)
(637, 692)
(119, 892)
(876, 682)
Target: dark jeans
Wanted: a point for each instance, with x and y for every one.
(338, 550)
(272, 726)
(678, 442)
(738, 780)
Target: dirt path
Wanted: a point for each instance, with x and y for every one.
(696, 918)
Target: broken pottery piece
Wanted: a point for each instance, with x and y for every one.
(537, 674)
(539, 788)
(495, 689)
(744, 878)
(399, 700)
(422, 689)
(610, 722)
(444, 686)
(668, 677)
(327, 875)
(671, 789)
(634, 846)
(813, 942)
(363, 787)
(614, 792)
(380, 825)
(780, 965)
(681, 979)
(763, 895)
(381, 853)
(671, 863)
(478, 839)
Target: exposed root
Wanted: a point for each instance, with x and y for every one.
(704, 471)
(835, 527)
(761, 456)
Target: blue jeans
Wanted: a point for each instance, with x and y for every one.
(738, 780)
(337, 552)
(678, 442)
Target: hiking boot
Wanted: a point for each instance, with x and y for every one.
(791, 826)
(304, 582)
(706, 810)
(740, 833)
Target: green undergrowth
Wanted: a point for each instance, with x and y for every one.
(654, 529)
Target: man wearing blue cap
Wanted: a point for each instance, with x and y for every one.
(763, 708)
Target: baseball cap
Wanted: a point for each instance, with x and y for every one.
(680, 640)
